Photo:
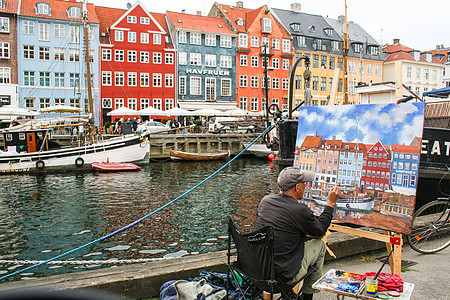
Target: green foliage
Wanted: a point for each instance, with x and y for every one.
(107, 124)
(164, 120)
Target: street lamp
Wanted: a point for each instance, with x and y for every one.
(307, 77)
(266, 83)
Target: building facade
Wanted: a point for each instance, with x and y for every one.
(306, 155)
(262, 41)
(328, 161)
(351, 161)
(376, 171)
(8, 51)
(206, 58)
(51, 60)
(137, 60)
(405, 168)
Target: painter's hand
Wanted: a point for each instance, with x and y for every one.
(333, 196)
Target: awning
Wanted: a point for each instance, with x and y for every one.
(440, 93)
(197, 105)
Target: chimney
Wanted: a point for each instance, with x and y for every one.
(396, 41)
(341, 18)
(199, 12)
(438, 47)
(240, 4)
(296, 7)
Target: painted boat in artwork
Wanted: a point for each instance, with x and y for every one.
(31, 152)
(191, 156)
(115, 167)
(347, 202)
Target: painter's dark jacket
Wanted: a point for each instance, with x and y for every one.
(291, 222)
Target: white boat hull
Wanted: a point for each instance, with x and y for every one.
(118, 150)
(365, 204)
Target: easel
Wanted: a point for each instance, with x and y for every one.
(391, 239)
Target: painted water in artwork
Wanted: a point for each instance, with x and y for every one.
(371, 152)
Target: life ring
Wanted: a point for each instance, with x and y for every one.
(40, 164)
(143, 143)
(79, 162)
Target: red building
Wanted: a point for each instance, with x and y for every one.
(376, 167)
(256, 29)
(137, 59)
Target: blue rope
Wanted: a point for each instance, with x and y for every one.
(141, 219)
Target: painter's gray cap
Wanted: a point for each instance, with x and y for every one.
(290, 176)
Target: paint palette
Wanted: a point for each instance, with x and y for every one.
(341, 282)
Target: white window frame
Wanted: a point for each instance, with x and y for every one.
(144, 57)
(210, 40)
(145, 79)
(119, 55)
(157, 58)
(106, 54)
(145, 38)
(132, 56)
(132, 79)
(28, 27)
(195, 86)
(195, 59)
(182, 58)
(44, 31)
(132, 38)
(169, 59)
(106, 78)
(266, 25)
(4, 24)
(157, 39)
(59, 54)
(195, 38)
(132, 19)
(225, 87)
(226, 61)
(132, 103)
(254, 41)
(5, 50)
(59, 30)
(145, 20)
(118, 36)
(119, 78)
(182, 85)
(182, 37)
(74, 34)
(145, 102)
(157, 80)
(286, 46)
(210, 60)
(226, 41)
(243, 40)
(168, 80)
(243, 60)
(5, 75)
(107, 102)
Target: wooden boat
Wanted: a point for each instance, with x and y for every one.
(260, 150)
(115, 167)
(180, 155)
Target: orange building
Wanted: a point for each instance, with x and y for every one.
(306, 154)
(260, 37)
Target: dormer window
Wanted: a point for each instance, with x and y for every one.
(357, 48)
(328, 31)
(373, 50)
(74, 12)
(43, 8)
(266, 25)
(296, 27)
(240, 22)
(312, 28)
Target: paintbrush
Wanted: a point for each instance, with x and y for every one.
(384, 263)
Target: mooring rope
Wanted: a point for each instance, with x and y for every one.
(82, 262)
(141, 219)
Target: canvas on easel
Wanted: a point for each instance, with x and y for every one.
(371, 152)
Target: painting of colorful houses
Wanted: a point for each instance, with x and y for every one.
(371, 152)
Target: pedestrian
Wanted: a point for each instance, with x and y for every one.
(293, 222)
(134, 125)
(75, 131)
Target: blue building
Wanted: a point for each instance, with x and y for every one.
(206, 60)
(405, 168)
(51, 61)
(350, 164)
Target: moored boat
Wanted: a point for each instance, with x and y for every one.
(191, 156)
(260, 150)
(115, 167)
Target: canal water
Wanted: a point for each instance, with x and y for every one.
(44, 216)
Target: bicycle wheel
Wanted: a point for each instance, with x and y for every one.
(431, 227)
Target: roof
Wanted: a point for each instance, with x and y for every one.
(11, 6)
(439, 56)
(58, 10)
(107, 16)
(312, 142)
(405, 149)
(334, 144)
(396, 48)
(235, 13)
(199, 23)
(398, 51)
(352, 147)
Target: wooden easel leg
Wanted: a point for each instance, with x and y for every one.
(395, 260)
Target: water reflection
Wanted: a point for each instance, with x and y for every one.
(43, 216)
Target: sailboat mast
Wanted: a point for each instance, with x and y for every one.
(87, 62)
(345, 52)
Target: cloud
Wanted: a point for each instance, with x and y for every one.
(400, 112)
(310, 117)
(411, 130)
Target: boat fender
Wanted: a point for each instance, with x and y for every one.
(40, 164)
(79, 162)
(143, 143)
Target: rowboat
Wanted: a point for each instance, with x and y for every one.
(180, 155)
(115, 167)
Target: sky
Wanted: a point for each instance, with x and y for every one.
(418, 24)
(391, 124)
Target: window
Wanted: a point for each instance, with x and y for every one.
(315, 83)
(29, 102)
(28, 27)
(266, 25)
(169, 103)
(182, 85)
(74, 54)
(285, 64)
(369, 68)
(352, 66)
(427, 74)
(157, 79)
(132, 56)
(210, 40)
(4, 24)
(43, 8)
(243, 103)
(44, 102)
(357, 48)
(195, 38)
(28, 78)
(106, 54)
(145, 57)
(275, 83)
(243, 40)
(145, 20)
(145, 102)
(145, 79)
(254, 61)
(276, 63)
(59, 79)
(132, 103)
(254, 41)
(210, 89)
(254, 104)
(106, 78)
(145, 38)
(119, 55)
(361, 67)
(243, 80)
(301, 41)
(265, 44)
(168, 80)
(132, 79)
(298, 82)
(118, 36)
(225, 41)
(243, 60)
(157, 103)
(254, 81)
(132, 19)
(119, 78)
(44, 53)
(157, 58)
(74, 79)
(182, 58)
(195, 86)
(225, 87)
(107, 103)
(182, 37)
(74, 34)
(286, 45)
(74, 12)
(156, 39)
(5, 76)
(225, 61)
(44, 31)
(323, 84)
(4, 50)
(118, 102)
(285, 84)
(276, 44)
(169, 59)
(210, 60)
(352, 88)
(377, 69)
(195, 59)
(373, 50)
(323, 62)
(59, 54)
(132, 37)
